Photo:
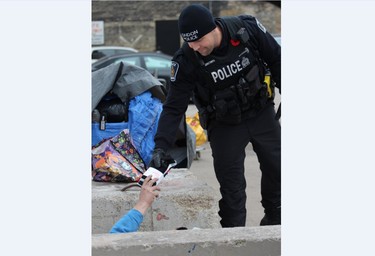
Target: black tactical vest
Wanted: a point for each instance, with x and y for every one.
(232, 81)
(225, 71)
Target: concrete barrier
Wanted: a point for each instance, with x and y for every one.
(249, 241)
(185, 201)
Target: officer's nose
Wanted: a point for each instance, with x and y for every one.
(194, 46)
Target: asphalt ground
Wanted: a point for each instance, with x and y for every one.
(203, 169)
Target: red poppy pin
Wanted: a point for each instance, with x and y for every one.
(234, 42)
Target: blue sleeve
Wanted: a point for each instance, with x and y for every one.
(130, 222)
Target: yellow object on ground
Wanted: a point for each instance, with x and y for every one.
(200, 134)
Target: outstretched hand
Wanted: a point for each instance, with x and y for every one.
(147, 195)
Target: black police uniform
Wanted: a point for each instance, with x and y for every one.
(235, 109)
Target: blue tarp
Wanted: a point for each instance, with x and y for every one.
(111, 129)
(144, 114)
(146, 95)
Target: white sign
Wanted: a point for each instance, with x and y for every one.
(97, 34)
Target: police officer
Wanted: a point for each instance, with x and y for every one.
(226, 64)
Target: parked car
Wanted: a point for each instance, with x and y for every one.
(158, 64)
(99, 52)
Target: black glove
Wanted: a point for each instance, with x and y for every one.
(160, 160)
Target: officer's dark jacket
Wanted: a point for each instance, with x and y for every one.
(185, 78)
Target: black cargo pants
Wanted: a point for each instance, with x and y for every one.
(228, 143)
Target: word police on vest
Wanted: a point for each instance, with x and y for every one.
(226, 71)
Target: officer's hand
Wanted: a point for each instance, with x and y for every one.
(160, 159)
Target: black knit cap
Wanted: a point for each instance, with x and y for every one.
(195, 21)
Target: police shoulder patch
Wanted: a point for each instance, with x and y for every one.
(261, 27)
(174, 70)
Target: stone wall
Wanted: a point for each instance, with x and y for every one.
(132, 23)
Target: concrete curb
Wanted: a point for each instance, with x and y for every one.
(257, 241)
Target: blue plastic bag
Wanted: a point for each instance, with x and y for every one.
(144, 114)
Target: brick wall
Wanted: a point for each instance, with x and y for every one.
(132, 23)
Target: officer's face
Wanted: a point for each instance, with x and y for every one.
(204, 45)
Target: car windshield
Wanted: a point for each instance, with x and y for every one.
(131, 60)
(153, 62)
